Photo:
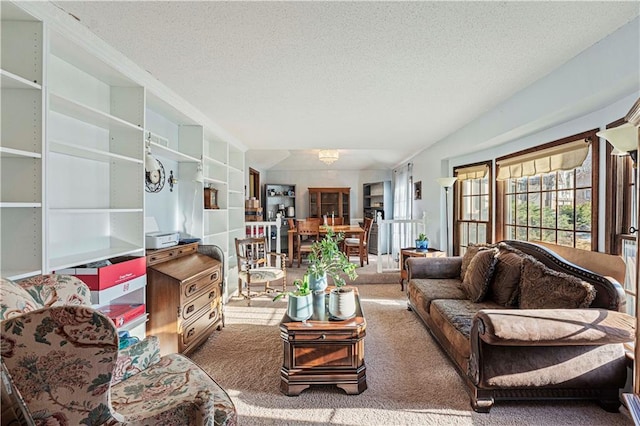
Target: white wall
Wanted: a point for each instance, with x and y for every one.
(589, 91)
(353, 179)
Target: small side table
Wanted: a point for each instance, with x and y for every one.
(413, 252)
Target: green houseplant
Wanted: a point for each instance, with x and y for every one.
(422, 242)
(300, 302)
(327, 260)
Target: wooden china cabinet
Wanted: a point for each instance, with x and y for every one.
(328, 201)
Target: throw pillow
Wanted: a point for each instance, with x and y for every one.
(504, 288)
(479, 273)
(472, 250)
(544, 288)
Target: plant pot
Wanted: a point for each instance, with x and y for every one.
(300, 308)
(317, 284)
(342, 302)
(422, 244)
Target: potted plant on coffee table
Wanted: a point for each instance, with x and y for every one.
(300, 302)
(327, 260)
(422, 242)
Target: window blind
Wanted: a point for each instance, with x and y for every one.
(567, 156)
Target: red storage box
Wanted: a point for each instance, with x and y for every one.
(122, 314)
(122, 270)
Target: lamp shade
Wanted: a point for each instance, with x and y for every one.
(199, 174)
(447, 182)
(150, 163)
(624, 138)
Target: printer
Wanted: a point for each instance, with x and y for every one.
(156, 239)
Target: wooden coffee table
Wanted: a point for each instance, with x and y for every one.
(323, 351)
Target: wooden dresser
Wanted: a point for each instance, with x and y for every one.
(184, 297)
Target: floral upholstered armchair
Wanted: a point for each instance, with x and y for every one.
(63, 361)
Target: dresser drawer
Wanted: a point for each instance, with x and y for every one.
(206, 300)
(191, 289)
(325, 336)
(193, 332)
(163, 255)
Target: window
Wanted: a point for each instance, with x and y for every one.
(472, 206)
(547, 193)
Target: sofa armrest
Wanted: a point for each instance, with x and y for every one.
(553, 327)
(434, 267)
(136, 358)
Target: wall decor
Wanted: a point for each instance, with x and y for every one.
(154, 179)
(417, 191)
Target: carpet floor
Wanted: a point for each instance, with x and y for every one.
(410, 380)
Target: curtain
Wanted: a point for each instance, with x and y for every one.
(567, 156)
(472, 172)
(402, 207)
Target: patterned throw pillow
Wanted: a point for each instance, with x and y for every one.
(504, 288)
(479, 273)
(472, 250)
(544, 288)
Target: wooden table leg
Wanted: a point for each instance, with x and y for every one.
(290, 249)
(361, 238)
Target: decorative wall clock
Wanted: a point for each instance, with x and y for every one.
(154, 179)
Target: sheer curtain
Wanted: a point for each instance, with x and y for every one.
(402, 207)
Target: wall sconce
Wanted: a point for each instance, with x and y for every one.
(150, 162)
(199, 173)
(624, 139)
(172, 181)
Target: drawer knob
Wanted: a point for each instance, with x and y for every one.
(191, 332)
(213, 277)
(190, 309)
(212, 295)
(212, 314)
(192, 288)
(323, 337)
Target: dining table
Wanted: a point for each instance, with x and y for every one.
(347, 230)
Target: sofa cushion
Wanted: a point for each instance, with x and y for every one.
(544, 288)
(479, 273)
(424, 291)
(454, 319)
(504, 286)
(173, 391)
(469, 254)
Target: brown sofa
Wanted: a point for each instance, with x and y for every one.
(506, 352)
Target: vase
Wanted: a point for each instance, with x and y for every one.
(342, 303)
(422, 244)
(300, 308)
(317, 284)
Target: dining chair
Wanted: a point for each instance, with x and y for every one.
(308, 232)
(256, 265)
(335, 221)
(352, 245)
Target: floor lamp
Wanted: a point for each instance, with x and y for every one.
(446, 183)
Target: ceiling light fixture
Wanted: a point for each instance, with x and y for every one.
(328, 156)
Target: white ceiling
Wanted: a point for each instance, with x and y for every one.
(379, 80)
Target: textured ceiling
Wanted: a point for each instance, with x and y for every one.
(383, 80)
